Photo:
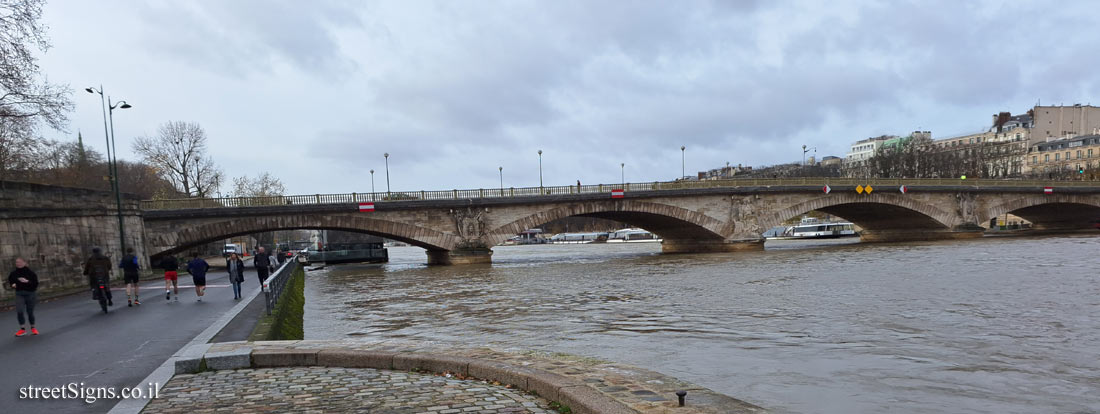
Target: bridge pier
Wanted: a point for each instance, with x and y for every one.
(908, 235)
(711, 246)
(475, 255)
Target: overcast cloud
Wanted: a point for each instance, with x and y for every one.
(452, 90)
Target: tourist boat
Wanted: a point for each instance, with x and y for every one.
(632, 235)
(578, 238)
(335, 253)
(529, 236)
(812, 228)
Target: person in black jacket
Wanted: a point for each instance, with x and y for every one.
(171, 278)
(25, 283)
(98, 270)
(263, 265)
(131, 275)
(235, 266)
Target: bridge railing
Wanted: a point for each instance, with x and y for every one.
(510, 192)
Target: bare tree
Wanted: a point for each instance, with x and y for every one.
(26, 97)
(178, 152)
(17, 147)
(263, 185)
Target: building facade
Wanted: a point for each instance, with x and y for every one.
(1056, 122)
(864, 149)
(1064, 156)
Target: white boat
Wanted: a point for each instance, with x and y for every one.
(578, 238)
(812, 228)
(632, 235)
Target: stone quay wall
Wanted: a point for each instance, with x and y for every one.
(55, 228)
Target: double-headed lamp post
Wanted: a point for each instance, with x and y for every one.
(387, 157)
(112, 156)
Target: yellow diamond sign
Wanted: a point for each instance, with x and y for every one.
(868, 189)
(859, 189)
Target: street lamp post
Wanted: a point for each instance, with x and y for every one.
(501, 171)
(683, 162)
(372, 181)
(112, 157)
(804, 151)
(387, 157)
(622, 173)
(540, 171)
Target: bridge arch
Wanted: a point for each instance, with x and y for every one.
(871, 212)
(1049, 211)
(666, 221)
(167, 238)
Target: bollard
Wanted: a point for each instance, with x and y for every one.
(681, 395)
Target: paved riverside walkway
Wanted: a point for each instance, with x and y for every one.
(336, 375)
(80, 344)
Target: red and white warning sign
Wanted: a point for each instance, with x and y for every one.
(1048, 190)
(826, 189)
(903, 189)
(364, 207)
(617, 193)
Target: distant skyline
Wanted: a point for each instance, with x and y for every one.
(455, 90)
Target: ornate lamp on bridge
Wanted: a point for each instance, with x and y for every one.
(622, 173)
(112, 156)
(372, 181)
(540, 171)
(501, 171)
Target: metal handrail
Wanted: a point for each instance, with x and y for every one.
(511, 192)
(273, 286)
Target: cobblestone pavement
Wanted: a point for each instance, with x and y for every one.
(326, 390)
(642, 390)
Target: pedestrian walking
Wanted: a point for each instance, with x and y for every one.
(236, 273)
(197, 267)
(273, 263)
(131, 275)
(98, 270)
(171, 277)
(281, 255)
(263, 265)
(25, 283)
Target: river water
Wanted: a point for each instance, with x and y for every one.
(997, 325)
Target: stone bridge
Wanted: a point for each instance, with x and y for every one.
(690, 217)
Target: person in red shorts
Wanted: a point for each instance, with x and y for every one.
(171, 278)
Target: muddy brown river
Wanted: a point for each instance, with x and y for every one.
(996, 325)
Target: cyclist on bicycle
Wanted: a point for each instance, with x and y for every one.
(98, 269)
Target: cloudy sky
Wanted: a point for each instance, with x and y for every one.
(315, 92)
